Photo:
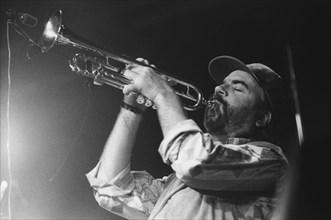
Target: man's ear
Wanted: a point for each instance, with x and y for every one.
(264, 119)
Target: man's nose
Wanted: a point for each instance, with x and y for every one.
(220, 90)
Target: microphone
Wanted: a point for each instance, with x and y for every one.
(23, 18)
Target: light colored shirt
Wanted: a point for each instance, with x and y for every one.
(211, 180)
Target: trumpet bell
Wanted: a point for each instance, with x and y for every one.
(51, 31)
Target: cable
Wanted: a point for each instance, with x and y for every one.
(22, 33)
(8, 124)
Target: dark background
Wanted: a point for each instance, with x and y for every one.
(59, 124)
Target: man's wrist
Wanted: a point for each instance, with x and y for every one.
(131, 108)
(167, 99)
(134, 102)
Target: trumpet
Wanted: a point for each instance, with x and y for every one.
(107, 67)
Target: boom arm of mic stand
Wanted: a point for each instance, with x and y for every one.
(21, 32)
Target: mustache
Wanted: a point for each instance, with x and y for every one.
(218, 98)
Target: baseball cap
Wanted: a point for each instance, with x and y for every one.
(268, 79)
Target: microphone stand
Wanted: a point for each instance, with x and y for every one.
(21, 32)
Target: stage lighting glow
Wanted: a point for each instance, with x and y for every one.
(4, 185)
(299, 128)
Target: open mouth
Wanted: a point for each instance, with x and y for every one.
(218, 107)
(214, 109)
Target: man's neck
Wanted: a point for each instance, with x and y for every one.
(220, 138)
(225, 137)
(230, 140)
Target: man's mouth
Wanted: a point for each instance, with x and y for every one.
(214, 109)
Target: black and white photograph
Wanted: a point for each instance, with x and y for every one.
(165, 109)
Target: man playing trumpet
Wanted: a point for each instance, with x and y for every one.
(234, 170)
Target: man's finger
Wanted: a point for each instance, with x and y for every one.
(129, 74)
(127, 89)
(142, 60)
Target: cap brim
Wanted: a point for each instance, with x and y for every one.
(221, 66)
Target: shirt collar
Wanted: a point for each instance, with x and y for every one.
(237, 141)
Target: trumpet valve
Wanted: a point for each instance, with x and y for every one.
(140, 99)
(148, 103)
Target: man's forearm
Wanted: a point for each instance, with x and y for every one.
(170, 111)
(117, 151)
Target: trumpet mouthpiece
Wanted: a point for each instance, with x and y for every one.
(209, 103)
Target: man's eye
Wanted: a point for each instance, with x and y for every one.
(237, 89)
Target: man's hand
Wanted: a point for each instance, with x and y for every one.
(148, 83)
(151, 85)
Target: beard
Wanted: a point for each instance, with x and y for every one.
(216, 115)
(222, 119)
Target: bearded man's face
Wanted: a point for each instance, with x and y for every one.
(234, 105)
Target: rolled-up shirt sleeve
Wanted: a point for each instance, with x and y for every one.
(131, 194)
(204, 164)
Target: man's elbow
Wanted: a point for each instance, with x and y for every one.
(111, 204)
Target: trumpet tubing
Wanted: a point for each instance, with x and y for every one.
(107, 68)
